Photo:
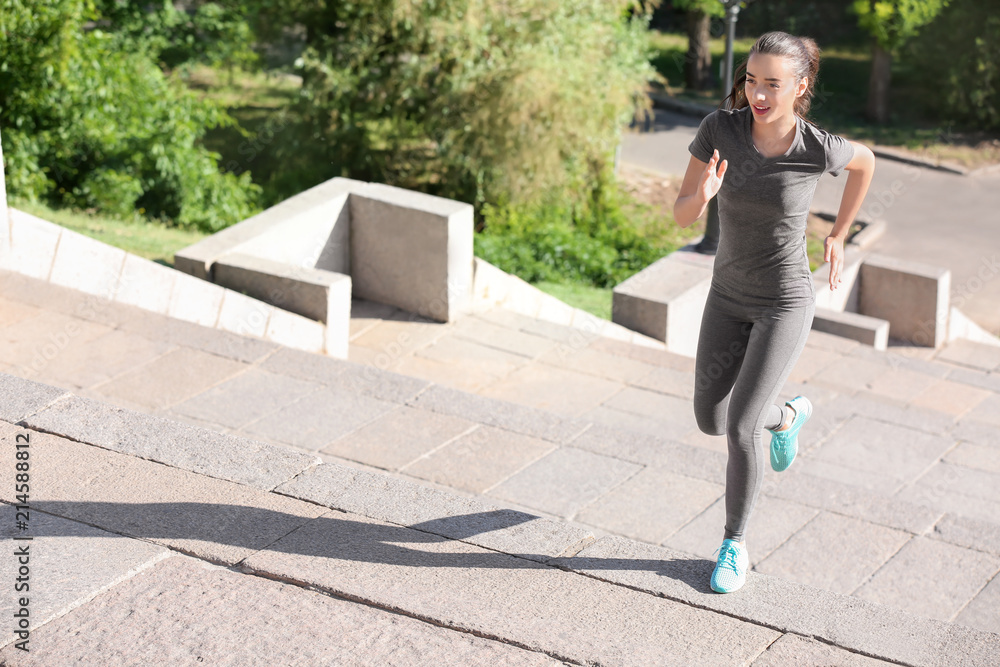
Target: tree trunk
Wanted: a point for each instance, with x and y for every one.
(698, 61)
(878, 85)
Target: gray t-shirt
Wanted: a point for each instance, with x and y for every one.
(763, 206)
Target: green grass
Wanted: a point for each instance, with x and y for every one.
(594, 300)
(140, 237)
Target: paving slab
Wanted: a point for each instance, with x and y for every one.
(900, 384)
(214, 341)
(189, 612)
(512, 320)
(437, 511)
(12, 312)
(564, 481)
(847, 622)
(487, 333)
(773, 521)
(678, 412)
(849, 374)
(791, 649)
(319, 418)
(652, 505)
(399, 437)
(644, 354)
(969, 353)
(872, 480)
(213, 519)
(69, 562)
(503, 414)
(381, 384)
(951, 397)
(553, 389)
(499, 596)
(172, 443)
(942, 499)
(20, 398)
(976, 378)
(400, 337)
(475, 357)
(981, 613)
(631, 422)
(171, 378)
(37, 342)
(666, 380)
(834, 552)
(886, 450)
(959, 479)
(950, 576)
(305, 365)
(974, 534)
(980, 457)
(455, 376)
(987, 411)
(655, 451)
(245, 398)
(978, 432)
(102, 358)
(923, 419)
(811, 361)
(595, 362)
(480, 459)
(66, 301)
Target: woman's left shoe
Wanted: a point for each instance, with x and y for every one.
(785, 444)
(731, 569)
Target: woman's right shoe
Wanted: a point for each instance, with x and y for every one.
(731, 568)
(785, 444)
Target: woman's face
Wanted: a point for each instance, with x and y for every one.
(771, 88)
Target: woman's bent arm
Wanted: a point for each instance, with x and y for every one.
(700, 184)
(860, 170)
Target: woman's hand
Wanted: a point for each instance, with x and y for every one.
(834, 254)
(711, 181)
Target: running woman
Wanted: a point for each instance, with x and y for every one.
(762, 158)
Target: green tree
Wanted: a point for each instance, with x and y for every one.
(957, 59)
(90, 124)
(698, 60)
(479, 100)
(891, 23)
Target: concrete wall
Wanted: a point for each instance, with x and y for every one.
(913, 297)
(46, 251)
(399, 247)
(412, 250)
(665, 301)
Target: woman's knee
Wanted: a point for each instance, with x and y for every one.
(710, 415)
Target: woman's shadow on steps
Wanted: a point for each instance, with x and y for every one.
(449, 542)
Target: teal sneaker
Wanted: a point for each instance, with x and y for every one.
(731, 569)
(785, 444)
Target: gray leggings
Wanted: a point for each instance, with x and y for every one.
(745, 354)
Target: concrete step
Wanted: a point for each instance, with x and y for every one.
(630, 465)
(513, 580)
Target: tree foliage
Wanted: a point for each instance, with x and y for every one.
(958, 55)
(479, 100)
(90, 123)
(893, 22)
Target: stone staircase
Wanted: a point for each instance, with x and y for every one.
(516, 481)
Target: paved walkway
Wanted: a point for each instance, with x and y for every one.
(934, 216)
(897, 474)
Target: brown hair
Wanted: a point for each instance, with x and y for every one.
(803, 56)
